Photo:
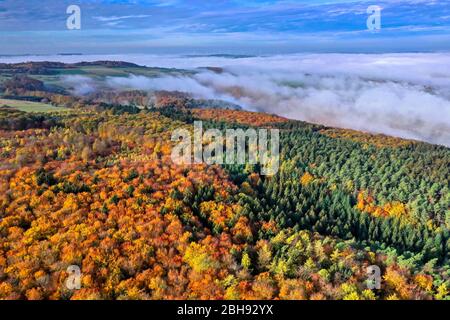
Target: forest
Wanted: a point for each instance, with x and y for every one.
(96, 188)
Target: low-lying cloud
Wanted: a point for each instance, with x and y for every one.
(403, 95)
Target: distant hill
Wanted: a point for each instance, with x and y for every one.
(47, 67)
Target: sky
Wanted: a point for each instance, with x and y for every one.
(223, 26)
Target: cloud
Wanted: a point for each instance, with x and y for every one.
(403, 95)
(180, 83)
(79, 85)
(116, 18)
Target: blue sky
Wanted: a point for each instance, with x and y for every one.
(222, 26)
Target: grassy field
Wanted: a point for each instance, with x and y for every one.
(28, 106)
